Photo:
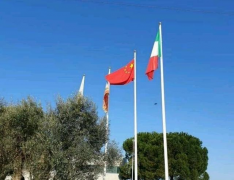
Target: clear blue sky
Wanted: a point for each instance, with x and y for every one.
(46, 47)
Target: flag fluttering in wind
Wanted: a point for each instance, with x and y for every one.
(123, 75)
(106, 98)
(155, 55)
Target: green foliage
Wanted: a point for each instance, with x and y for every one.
(125, 171)
(113, 154)
(67, 140)
(80, 137)
(43, 147)
(18, 126)
(187, 158)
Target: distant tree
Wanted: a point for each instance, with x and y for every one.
(187, 158)
(114, 154)
(125, 171)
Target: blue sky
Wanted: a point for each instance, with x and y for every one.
(46, 47)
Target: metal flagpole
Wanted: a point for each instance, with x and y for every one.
(163, 108)
(135, 116)
(107, 127)
(132, 157)
(132, 167)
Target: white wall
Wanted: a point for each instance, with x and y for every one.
(8, 178)
(110, 176)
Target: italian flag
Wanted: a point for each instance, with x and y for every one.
(155, 55)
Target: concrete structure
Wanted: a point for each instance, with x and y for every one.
(110, 176)
(8, 178)
(112, 173)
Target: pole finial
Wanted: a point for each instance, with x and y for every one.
(160, 23)
(83, 74)
(134, 50)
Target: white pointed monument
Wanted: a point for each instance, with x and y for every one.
(81, 90)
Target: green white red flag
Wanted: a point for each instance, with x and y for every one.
(155, 55)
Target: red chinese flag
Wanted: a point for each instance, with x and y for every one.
(122, 76)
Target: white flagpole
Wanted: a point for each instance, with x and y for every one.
(163, 108)
(107, 128)
(135, 117)
(81, 90)
(132, 156)
(132, 167)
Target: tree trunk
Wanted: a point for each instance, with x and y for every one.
(17, 175)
